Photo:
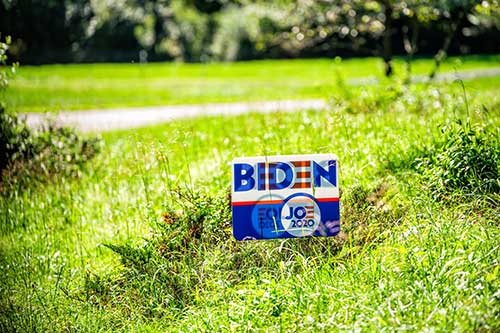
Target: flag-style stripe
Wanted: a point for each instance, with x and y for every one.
(301, 163)
(302, 185)
(304, 174)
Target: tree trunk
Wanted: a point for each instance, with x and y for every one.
(387, 38)
(410, 45)
(443, 52)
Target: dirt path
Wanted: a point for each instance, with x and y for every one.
(123, 118)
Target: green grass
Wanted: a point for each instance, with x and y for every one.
(79, 87)
(406, 260)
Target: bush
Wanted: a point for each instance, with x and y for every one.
(26, 155)
(29, 156)
(462, 158)
(249, 32)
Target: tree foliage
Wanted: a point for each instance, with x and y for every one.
(203, 30)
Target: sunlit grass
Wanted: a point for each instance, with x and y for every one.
(405, 261)
(91, 86)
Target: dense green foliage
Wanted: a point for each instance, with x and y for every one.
(27, 156)
(204, 30)
(142, 241)
(465, 157)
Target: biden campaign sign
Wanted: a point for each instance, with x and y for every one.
(285, 196)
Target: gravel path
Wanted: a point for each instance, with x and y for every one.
(123, 118)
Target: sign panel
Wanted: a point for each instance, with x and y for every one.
(285, 196)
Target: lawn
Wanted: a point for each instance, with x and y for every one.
(115, 250)
(91, 86)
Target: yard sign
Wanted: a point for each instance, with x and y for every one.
(285, 196)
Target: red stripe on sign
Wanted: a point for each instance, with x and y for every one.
(304, 174)
(273, 202)
(327, 199)
(302, 185)
(301, 163)
(262, 202)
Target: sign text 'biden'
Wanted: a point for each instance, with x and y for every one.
(285, 196)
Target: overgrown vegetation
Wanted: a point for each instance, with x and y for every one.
(34, 156)
(465, 157)
(28, 156)
(461, 159)
(193, 246)
(143, 241)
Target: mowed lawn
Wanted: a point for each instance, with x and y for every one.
(95, 86)
(116, 250)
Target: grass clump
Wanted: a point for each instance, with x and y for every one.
(170, 267)
(396, 98)
(369, 213)
(192, 251)
(465, 157)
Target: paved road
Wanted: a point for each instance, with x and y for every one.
(123, 118)
(103, 120)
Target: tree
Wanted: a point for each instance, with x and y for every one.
(452, 15)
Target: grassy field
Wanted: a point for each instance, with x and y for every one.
(119, 248)
(78, 87)
(114, 249)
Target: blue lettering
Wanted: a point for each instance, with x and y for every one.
(302, 212)
(243, 180)
(330, 175)
(246, 177)
(273, 176)
(261, 175)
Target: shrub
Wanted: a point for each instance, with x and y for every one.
(249, 32)
(28, 156)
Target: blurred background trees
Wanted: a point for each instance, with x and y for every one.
(46, 31)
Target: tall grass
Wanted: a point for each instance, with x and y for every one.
(142, 240)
